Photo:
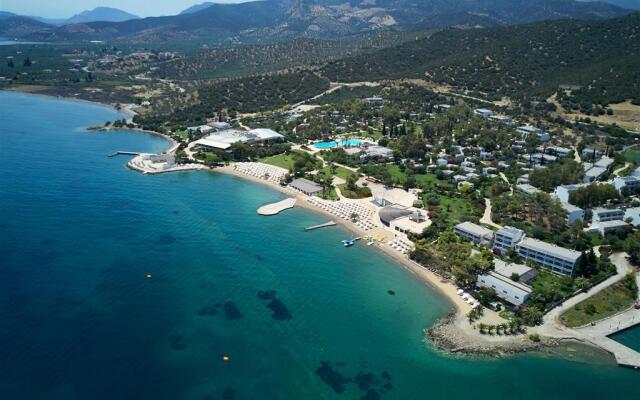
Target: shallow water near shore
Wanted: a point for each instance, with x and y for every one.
(297, 315)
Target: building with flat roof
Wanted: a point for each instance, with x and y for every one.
(632, 215)
(562, 192)
(506, 238)
(305, 186)
(558, 259)
(473, 232)
(601, 214)
(483, 112)
(574, 213)
(414, 223)
(630, 182)
(509, 269)
(609, 226)
(222, 140)
(507, 289)
(527, 188)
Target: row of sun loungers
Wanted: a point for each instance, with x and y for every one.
(262, 171)
(343, 209)
(401, 244)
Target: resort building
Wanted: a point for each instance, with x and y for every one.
(506, 238)
(558, 259)
(562, 192)
(609, 226)
(219, 126)
(507, 289)
(305, 186)
(222, 140)
(502, 118)
(631, 183)
(525, 274)
(200, 128)
(573, 213)
(591, 154)
(375, 101)
(632, 216)
(601, 214)
(528, 130)
(392, 212)
(528, 189)
(483, 112)
(376, 151)
(414, 223)
(473, 232)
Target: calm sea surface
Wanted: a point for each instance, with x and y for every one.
(79, 232)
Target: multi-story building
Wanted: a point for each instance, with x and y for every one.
(507, 289)
(601, 214)
(558, 259)
(473, 232)
(573, 213)
(506, 238)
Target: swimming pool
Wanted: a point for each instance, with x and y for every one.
(342, 143)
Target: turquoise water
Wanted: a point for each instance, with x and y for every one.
(629, 337)
(79, 320)
(342, 143)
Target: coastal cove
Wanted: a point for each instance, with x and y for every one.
(80, 319)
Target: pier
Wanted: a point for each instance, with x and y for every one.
(276, 208)
(600, 332)
(124, 153)
(326, 224)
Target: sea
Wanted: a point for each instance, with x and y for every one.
(118, 285)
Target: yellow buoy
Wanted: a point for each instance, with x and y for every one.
(225, 358)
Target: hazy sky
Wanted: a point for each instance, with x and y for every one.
(67, 8)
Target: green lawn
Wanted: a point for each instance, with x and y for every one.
(456, 207)
(395, 172)
(340, 172)
(184, 135)
(329, 195)
(280, 160)
(632, 155)
(608, 302)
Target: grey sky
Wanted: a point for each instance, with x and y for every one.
(67, 8)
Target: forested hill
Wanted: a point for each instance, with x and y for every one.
(530, 59)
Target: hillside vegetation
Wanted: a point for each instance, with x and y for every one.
(602, 57)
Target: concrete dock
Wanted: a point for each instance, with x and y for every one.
(276, 208)
(310, 228)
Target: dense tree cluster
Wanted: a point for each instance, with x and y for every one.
(564, 173)
(593, 195)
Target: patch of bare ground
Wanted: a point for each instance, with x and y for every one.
(625, 114)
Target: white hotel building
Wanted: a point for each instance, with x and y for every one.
(558, 259)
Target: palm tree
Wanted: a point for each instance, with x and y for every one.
(483, 328)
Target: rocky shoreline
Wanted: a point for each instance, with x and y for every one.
(447, 336)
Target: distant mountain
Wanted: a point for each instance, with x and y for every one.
(283, 19)
(101, 14)
(629, 4)
(15, 26)
(197, 7)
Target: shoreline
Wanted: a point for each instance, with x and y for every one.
(468, 342)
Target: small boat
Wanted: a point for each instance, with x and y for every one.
(370, 241)
(348, 242)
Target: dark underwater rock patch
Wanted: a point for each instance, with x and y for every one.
(231, 311)
(280, 311)
(371, 395)
(166, 239)
(331, 377)
(177, 342)
(209, 311)
(391, 292)
(267, 294)
(365, 380)
(229, 394)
